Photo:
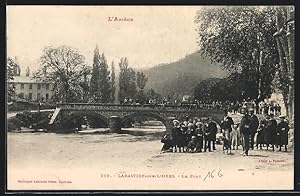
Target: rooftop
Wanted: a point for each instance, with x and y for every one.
(25, 79)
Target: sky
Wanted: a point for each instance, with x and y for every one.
(157, 34)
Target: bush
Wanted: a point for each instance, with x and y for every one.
(35, 119)
(14, 124)
(22, 106)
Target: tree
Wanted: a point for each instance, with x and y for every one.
(27, 71)
(113, 82)
(105, 83)
(10, 77)
(85, 84)
(285, 40)
(127, 81)
(16, 67)
(204, 90)
(65, 67)
(100, 81)
(151, 94)
(141, 81)
(240, 38)
(94, 84)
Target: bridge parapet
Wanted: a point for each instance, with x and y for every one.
(150, 107)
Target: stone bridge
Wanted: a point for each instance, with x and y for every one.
(115, 115)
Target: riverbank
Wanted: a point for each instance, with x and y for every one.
(125, 161)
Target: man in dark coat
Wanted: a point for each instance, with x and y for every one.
(207, 137)
(245, 130)
(226, 126)
(268, 132)
(283, 128)
(253, 126)
(273, 131)
(212, 126)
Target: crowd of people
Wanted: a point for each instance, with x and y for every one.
(195, 135)
(201, 135)
(263, 107)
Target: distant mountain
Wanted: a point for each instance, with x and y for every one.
(181, 77)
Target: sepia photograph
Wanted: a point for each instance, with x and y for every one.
(150, 97)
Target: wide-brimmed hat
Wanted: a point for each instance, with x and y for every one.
(176, 121)
(198, 123)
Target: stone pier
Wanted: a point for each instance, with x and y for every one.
(115, 124)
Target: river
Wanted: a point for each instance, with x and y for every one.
(93, 160)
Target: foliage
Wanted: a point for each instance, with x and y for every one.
(151, 94)
(28, 119)
(113, 82)
(13, 124)
(285, 40)
(100, 81)
(204, 91)
(65, 67)
(11, 65)
(240, 38)
(27, 71)
(235, 87)
(84, 84)
(127, 81)
(22, 106)
(94, 84)
(141, 80)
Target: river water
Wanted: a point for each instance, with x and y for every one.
(86, 157)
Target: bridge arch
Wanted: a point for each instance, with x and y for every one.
(144, 114)
(90, 115)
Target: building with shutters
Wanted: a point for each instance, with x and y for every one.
(28, 88)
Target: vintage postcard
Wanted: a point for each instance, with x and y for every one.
(150, 97)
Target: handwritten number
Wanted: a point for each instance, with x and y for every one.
(210, 174)
(219, 174)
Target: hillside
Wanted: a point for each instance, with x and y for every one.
(179, 78)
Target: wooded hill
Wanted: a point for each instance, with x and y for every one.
(181, 77)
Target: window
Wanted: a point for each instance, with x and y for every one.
(39, 86)
(38, 95)
(30, 86)
(30, 96)
(47, 96)
(22, 86)
(47, 86)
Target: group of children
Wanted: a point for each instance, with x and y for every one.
(191, 136)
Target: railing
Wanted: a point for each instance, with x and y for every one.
(138, 106)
